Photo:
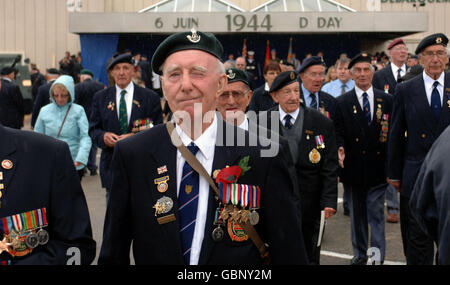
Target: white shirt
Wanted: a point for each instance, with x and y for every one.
(429, 85)
(156, 84)
(370, 96)
(266, 87)
(128, 99)
(394, 69)
(205, 155)
(283, 114)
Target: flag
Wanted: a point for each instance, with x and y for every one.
(244, 48)
(267, 53)
(289, 50)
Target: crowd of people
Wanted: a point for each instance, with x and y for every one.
(367, 122)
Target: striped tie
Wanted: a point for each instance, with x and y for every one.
(188, 203)
(123, 116)
(313, 101)
(366, 108)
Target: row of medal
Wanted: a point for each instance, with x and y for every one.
(231, 197)
(24, 232)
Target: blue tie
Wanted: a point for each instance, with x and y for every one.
(366, 108)
(288, 123)
(188, 203)
(436, 101)
(313, 101)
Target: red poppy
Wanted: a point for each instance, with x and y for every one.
(229, 174)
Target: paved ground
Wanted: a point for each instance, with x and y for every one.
(336, 246)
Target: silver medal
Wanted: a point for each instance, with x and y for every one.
(32, 240)
(253, 218)
(42, 236)
(217, 234)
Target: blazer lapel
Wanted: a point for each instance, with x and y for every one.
(112, 114)
(135, 107)
(167, 157)
(444, 119)
(419, 99)
(358, 113)
(9, 159)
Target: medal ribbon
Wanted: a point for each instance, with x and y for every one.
(235, 193)
(319, 140)
(224, 193)
(25, 221)
(244, 195)
(255, 193)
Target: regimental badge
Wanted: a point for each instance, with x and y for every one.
(379, 113)
(163, 205)
(194, 37)
(188, 189)
(162, 169)
(231, 74)
(292, 75)
(135, 102)
(7, 164)
(110, 106)
(236, 232)
(162, 185)
(438, 40)
(314, 156)
(354, 109)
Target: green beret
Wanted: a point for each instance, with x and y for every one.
(235, 74)
(283, 79)
(361, 57)
(434, 39)
(88, 72)
(184, 41)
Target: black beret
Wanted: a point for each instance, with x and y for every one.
(313, 60)
(361, 57)
(434, 39)
(184, 41)
(87, 71)
(120, 58)
(53, 71)
(235, 74)
(7, 70)
(283, 79)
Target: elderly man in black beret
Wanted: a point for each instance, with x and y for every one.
(163, 198)
(362, 126)
(12, 107)
(120, 111)
(312, 143)
(421, 113)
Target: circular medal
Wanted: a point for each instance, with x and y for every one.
(314, 156)
(236, 232)
(162, 187)
(32, 240)
(217, 234)
(7, 164)
(253, 218)
(43, 236)
(167, 204)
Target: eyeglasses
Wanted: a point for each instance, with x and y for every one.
(400, 48)
(431, 54)
(237, 95)
(316, 75)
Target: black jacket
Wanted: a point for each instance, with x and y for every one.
(11, 105)
(365, 145)
(384, 77)
(43, 176)
(84, 93)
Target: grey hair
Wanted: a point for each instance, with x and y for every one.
(371, 68)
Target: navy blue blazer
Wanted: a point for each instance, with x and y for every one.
(43, 175)
(146, 104)
(327, 104)
(130, 216)
(384, 77)
(365, 145)
(12, 107)
(414, 130)
(84, 93)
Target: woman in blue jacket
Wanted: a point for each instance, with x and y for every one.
(67, 121)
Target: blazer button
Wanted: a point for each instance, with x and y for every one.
(424, 136)
(378, 152)
(357, 139)
(363, 152)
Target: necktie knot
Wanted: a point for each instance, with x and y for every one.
(364, 95)
(435, 84)
(287, 122)
(122, 93)
(192, 147)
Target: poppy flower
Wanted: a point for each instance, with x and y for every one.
(229, 174)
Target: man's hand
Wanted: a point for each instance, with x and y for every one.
(124, 136)
(396, 183)
(341, 156)
(110, 139)
(329, 212)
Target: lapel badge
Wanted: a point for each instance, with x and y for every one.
(194, 37)
(110, 106)
(379, 99)
(231, 74)
(386, 88)
(137, 103)
(354, 109)
(162, 169)
(308, 133)
(7, 164)
(314, 156)
(162, 185)
(163, 205)
(1, 175)
(2, 186)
